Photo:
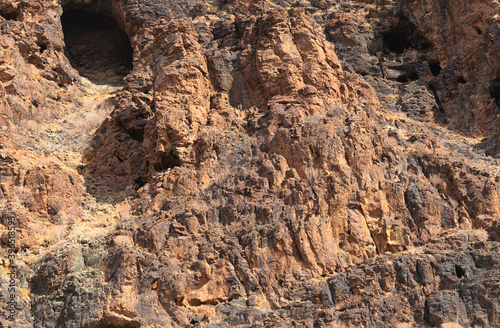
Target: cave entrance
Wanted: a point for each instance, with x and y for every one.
(9, 15)
(495, 90)
(435, 68)
(96, 46)
(404, 36)
(396, 42)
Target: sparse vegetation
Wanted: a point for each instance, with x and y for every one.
(42, 114)
(481, 235)
(59, 232)
(451, 325)
(256, 156)
(411, 54)
(124, 210)
(420, 149)
(20, 195)
(90, 121)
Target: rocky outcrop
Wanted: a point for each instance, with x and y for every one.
(452, 47)
(427, 285)
(46, 188)
(264, 164)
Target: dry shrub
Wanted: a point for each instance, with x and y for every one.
(354, 299)
(58, 233)
(481, 235)
(420, 149)
(312, 174)
(42, 114)
(411, 54)
(451, 325)
(124, 210)
(404, 325)
(20, 194)
(334, 324)
(94, 116)
(30, 125)
(35, 228)
(92, 120)
(70, 215)
(122, 241)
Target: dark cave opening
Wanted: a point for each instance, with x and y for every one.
(167, 162)
(141, 182)
(461, 273)
(9, 12)
(495, 90)
(396, 43)
(435, 68)
(403, 37)
(96, 46)
(409, 76)
(9, 15)
(43, 47)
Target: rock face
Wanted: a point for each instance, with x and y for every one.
(452, 47)
(428, 285)
(265, 163)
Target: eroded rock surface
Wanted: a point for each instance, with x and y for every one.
(262, 164)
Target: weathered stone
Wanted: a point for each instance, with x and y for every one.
(268, 164)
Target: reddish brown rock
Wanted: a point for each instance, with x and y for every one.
(246, 175)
